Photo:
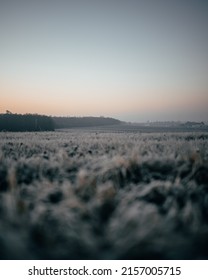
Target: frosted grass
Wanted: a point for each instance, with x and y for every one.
(103, 195)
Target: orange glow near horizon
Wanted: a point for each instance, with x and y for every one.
(145, 62)
(55, 103)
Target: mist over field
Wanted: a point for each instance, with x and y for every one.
(104, 193)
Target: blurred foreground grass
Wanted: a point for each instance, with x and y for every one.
(103, 195)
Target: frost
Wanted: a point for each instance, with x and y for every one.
(81, 194)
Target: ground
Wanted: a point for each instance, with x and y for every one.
(104, 194)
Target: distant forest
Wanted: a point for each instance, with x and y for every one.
(27, 122)
(70, 122)
(34, 122)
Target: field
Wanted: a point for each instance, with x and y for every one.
(104, 194)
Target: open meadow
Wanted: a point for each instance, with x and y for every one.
(104, 194)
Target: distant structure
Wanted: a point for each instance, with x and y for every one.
(194, 124)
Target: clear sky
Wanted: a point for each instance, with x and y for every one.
(133, 60)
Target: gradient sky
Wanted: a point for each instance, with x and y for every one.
(133, 60)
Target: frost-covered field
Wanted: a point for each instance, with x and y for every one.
(103, 195)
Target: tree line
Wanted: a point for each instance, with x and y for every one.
(70, 122)
(27, 122)
(34, 122)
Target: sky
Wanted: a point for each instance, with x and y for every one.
(133, 60)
